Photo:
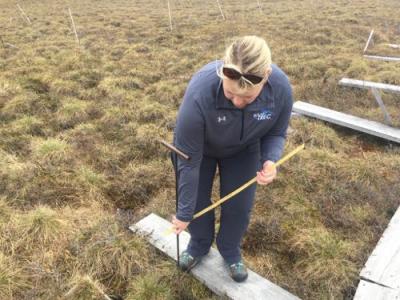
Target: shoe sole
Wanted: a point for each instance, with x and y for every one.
(240, 280)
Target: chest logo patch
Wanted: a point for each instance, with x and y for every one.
(221, 119)
(263, 115)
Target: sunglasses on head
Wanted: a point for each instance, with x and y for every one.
(236, 75)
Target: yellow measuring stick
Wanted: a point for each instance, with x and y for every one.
(238, 190)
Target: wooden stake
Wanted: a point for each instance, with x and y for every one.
(73, 26)
(4, 44)
(170, 17)
(369, 39)
(11, 45)
(23, 15)
(220, 9)
(259, 6)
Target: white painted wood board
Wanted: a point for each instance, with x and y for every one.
(394, 46)
(346, 120)
(363, 84)
(384, 58)
(370, 291)
(383, 266)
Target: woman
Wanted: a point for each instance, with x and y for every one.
(234, 115)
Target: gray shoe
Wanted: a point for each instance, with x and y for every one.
(188, 262)
(238, 271)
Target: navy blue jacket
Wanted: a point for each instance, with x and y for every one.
(209, 124)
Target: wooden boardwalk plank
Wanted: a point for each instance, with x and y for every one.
(370, 291)
(370, 84)
(353, 122)
(383, 266)
(394, 46)
(212, 270)
(384, 58)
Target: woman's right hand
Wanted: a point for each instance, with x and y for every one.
(178, 225)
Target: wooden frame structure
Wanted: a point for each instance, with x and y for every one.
(378, 57)
(374, 87)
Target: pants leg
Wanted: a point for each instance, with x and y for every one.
(235, 213)
(202, 229)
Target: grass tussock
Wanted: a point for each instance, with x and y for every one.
(148, 287)
(12, 278)
(41, 227)
(324, 255)
(5, 211)
(114, 256)
(136, 184)
(85, 287)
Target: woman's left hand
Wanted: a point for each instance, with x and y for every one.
(267, 174)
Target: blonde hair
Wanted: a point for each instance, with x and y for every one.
(250, 55)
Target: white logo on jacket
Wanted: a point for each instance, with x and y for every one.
(221, 119)
(263, 115)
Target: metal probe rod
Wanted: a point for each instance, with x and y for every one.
(174, 156)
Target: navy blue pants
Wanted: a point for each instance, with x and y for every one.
(235, 213)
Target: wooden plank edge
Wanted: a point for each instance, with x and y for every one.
(381, 135)
(378, 259)
(371, 291)
(364, 84)
(384, 58)
(145, 227)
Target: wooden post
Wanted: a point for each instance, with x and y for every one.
(73, 26)
(5, 45)
(369, 39)
(23, 15)
(378, 99)
(170, 17)
(12, 46)
(259, 6)
(220, 9)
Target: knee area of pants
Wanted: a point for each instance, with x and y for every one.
(237, 214)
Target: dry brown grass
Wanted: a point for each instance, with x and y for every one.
(78, 129)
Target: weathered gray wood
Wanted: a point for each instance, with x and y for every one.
(356, 123)
(370, 291)
(212, 270)
(384, 58)
(363, 84)
(383, 266)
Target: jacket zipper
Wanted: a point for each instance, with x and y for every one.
(241, 130)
